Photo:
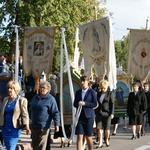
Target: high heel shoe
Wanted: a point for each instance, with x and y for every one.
(99, 146)
(62, 145)
(107, 144)
(69, 143)
(133, 137)
(138, 135)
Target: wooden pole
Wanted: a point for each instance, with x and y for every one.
(41, 20)
(95, 12)
(37, 83)
(37, 80)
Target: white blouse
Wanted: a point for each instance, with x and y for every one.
(102, 98)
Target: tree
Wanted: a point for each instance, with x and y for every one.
(121, 49)
(69, 14)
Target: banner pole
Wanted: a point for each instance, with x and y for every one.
(61, 84)
(70, 79)
(37, 83)
(17, 54)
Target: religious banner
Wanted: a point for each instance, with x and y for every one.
(38, 50)
(98, 49)
(139, 52)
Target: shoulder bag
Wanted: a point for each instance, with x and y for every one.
(20, 119)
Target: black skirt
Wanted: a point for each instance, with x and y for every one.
(60, 132)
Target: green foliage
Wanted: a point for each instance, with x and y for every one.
(121, 49)
(69, 14)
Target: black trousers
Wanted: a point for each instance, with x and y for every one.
(1, 136)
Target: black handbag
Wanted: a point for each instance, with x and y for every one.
(20, 123)
(104, 114)
(20, 120)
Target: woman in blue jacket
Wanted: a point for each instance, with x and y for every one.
(42, 110)
(85, 98)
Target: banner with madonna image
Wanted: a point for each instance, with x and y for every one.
(98, 49)
(38, 50)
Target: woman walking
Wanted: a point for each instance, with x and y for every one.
(13, 107)
(104, 113)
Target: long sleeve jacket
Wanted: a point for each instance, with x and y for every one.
(90, 102)
(108, 103)
(137, 104)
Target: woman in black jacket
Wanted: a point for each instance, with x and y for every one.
(104, 112)
(137, 105)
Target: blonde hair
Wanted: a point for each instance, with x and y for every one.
(103, 83)
(14, 85)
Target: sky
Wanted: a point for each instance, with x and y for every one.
(131, 14)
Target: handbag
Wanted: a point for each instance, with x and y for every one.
(104, 114)
(20, 123)
(20, 120)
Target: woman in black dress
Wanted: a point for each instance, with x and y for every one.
(137, 105)
(104, 112)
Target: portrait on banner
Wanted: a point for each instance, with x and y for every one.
(38, 49)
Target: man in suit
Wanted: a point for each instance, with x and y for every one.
(136, 107)
(85, 98)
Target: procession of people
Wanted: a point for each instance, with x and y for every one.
(33, 100)
(97, 105)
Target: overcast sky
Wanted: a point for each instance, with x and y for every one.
(128, 14)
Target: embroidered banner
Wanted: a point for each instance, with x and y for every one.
(139, 52)
(38, 50)
(98, 49)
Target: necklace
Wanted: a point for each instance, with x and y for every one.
(10, 101)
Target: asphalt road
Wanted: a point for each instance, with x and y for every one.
(122, 140)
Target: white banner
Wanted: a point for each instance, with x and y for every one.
(38, 50)
(139, 52)
(98, 49)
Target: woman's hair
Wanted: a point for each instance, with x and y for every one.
(103, 83)
(47, 84)
(14, 85)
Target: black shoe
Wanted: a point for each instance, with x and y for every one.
(113, 134)
(69, 143)
(143, 134)
(138, 135)
(133, 137)
(95, 142)
(62, 145)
